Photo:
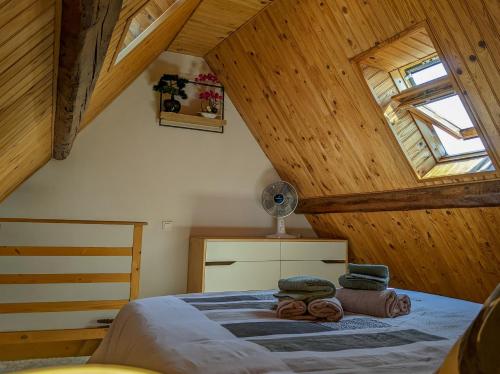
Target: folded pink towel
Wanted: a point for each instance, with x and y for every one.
(374, 303)
(289, 309)
(404, 304)
(329, 309)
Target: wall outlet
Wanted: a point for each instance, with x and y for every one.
(167, 225)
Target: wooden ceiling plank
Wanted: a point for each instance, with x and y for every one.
(14, 54)
(86, 29)
(212, 22)
(112, 82)
(32, 57)
(13, 89)
(16, 24)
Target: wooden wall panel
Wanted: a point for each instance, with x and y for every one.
(28, 31)
(114, 78)
(288, 71)
(212, 22)
(452, 252)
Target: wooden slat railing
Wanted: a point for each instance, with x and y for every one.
(65, 278)
(65, 251)
(60, 343)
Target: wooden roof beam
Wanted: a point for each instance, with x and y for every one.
(464, 195)
(86, 29)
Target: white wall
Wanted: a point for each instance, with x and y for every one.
(125, 167)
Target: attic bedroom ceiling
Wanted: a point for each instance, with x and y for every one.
(288, 68)
(28, 35)
(289, 73)
(29, 56)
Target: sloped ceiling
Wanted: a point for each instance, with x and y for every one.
(289, 74)
(115, 77)
(29, 41)
(194, 27)
(212, 22)
(27, 46)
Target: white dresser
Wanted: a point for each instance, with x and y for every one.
(238, 264)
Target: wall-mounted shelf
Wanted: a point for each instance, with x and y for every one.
(194, 122)
(179, 119)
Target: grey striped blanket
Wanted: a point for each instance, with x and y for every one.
(237, 332)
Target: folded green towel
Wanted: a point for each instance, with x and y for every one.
(361, 284)
(367, 277)
(305, 288)
(305, 283)
(381, 271)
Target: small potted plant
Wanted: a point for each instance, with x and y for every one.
(210, 99)
(174, 85)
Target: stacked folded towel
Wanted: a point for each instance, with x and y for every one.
(308, 298)
(365, 277)
(386, 303)
(365, 292)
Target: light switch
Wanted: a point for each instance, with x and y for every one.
(167, 225)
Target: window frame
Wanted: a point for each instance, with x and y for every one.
(435, 90)
(117, 59)
(443, 84)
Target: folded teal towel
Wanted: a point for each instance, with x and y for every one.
(305, 288)
(347, 281)
(305, 283)
(381, 271)
(367, 277)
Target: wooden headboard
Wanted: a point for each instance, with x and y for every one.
(16, 345)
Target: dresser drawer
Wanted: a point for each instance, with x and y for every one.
(242, 276)
(319, 250)
(242, 251)
(330, 271)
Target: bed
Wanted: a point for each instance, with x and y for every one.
(237, 332)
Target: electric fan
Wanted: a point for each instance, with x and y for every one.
(280, 199)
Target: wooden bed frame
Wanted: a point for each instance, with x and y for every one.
(19, 345)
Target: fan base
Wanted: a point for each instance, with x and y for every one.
(282, 236)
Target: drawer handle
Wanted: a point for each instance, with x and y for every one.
(333, 261)
(217, 263)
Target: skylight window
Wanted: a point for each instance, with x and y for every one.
(454, 146)
(141, 24)
(428, 74)
(452, 109)
(434, 126)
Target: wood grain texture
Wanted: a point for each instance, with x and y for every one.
(71, 221)
(180, 118)
(288, 72)
(466, 195)
(61, 306)
(135, 267)
(212, 22)
(86, 29)
(450, 252)
(64, 251)
(42, 336)
(196, 265)
(73, 348)
(28, 32)
(64, 278)
(114, 78)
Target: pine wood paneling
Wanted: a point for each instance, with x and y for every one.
(212, 22)
(404, 127)
(114, 78)
(27, 40)
(452, 252)
(288, 71)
